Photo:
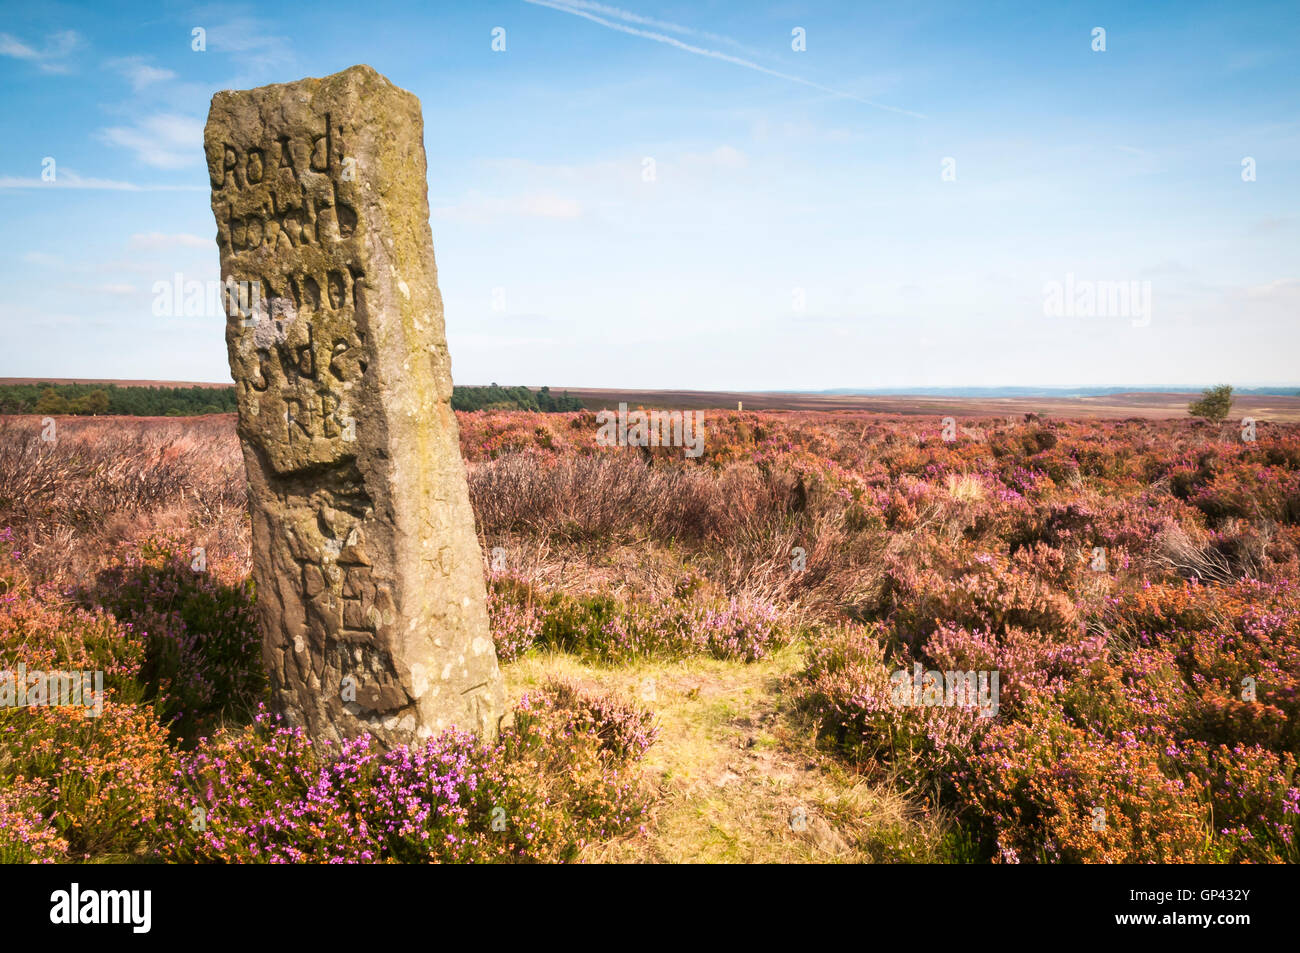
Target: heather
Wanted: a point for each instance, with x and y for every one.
(26, 834)
(202, 656)
(554, 782)
(610, 629)
(121, 785)
(698, 649)
(144, 779)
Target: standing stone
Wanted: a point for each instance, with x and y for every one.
(369, 576)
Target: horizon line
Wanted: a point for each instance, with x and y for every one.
(846, 391)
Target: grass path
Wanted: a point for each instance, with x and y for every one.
(737, 775)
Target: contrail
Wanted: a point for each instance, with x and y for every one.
(631, 17)
(584, 11)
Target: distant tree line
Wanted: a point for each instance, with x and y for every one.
(495, 397)
(92, 399)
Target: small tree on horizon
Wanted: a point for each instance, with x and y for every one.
(1214, 404)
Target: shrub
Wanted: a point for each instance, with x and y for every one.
(607, 629)
(1214, 405)
(1031, 666)
(93, 774)
(516, 622)
(26, 834)
(104, 774)
(270, 795)
(623, 729)
(742, 629)
(845, 686)
(1047, 791)
(1254, 801)
(204, 654)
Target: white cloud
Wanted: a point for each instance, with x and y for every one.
(11, 46)
(1280, 289)
(139, 73)
(165, 141)
(147, 240)
(49, 58)
(41, 258)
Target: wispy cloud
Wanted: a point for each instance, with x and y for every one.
(11, 46)
(50, 57)
(1278, 289)
(585, 10)
(164, 141)
(139, 73)
(67, 179)
(254, 46)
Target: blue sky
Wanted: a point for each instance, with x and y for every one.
(799, 231)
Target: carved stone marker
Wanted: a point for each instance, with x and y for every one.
(369, 576)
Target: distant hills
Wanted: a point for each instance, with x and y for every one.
(1284, 390)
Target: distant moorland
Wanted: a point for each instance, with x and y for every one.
(178, 398)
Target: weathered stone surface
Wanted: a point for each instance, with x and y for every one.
(367, 566)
